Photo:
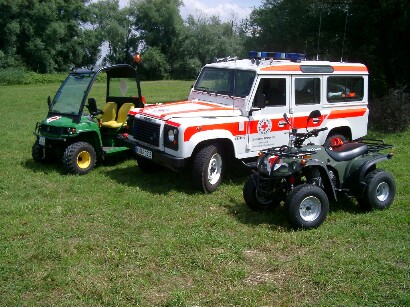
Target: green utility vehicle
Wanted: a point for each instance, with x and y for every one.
(78, 131)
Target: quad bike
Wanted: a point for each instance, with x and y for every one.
(77, 133)
(305, 177)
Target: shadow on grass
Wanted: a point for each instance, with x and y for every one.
(57, 166)
(276, 216)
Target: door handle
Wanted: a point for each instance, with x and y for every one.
(316, 120)
(282, 124)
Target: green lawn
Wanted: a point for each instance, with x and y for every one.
(118, 237)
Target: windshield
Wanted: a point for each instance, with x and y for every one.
(70, 95)
(230, 82)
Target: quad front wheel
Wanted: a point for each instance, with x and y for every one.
(208, 168)
(79, 158)
(253, 197)
(307, 206)
(379, 192)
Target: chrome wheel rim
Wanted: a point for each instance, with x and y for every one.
(310, 208)
(382, 191)
(214, 168)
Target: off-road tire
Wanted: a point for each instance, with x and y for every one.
(328, 142)
(208, 168)
(147, 166)
(306, 206)
(38, 153)
(255, 201)
(41, 154)
(79, 158)
(379, 192)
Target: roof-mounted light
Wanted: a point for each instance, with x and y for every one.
(264, 55)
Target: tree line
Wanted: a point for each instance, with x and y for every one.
(56, 35)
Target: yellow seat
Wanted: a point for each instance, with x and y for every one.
(109, 112)
(121, 117)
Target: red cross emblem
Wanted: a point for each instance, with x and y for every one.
(264, 126)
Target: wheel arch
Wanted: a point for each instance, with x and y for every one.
(343, 130)
(91, 137)
(356, 180)
(329, 187)
(225, 144)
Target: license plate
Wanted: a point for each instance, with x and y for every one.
(42, 140)
(143, 152)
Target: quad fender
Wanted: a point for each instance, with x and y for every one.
(358, 170)
(324, 174)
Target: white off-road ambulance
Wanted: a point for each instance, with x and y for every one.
(235, 109)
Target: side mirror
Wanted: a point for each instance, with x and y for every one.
(260, 100)
(92, 106)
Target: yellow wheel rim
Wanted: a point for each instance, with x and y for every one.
(83, 159)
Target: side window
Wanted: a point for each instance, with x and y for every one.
(273, 90)
(307, 91)
(348, 88)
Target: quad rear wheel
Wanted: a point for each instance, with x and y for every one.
(307, 206)
(379, 192)
(79, 158)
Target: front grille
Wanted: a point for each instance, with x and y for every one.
(51, 130)
(147, 132)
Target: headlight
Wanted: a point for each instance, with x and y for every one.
(171, 137)
(272, 165)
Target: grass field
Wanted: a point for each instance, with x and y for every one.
(118, 237)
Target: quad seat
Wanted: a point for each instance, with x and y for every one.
(347, 151)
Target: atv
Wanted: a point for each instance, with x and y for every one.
(77, 132)
(305, 177)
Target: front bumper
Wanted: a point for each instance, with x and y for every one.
(157, 156)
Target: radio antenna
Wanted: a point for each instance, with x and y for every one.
(344, 33)
(318, 36)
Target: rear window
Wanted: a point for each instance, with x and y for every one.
(348, 88)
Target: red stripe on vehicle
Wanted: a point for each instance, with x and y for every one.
(232, 127)
(334, 114)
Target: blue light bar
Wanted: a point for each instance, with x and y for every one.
(276, 55)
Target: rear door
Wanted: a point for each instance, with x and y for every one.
(306, 97)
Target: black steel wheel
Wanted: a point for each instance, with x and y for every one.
(307, 206)
(79, 158)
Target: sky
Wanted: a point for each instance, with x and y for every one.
(227, 10)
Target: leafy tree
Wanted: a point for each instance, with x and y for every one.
(114, 27)
(45, 36)
(159, 24)
(368, 31)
